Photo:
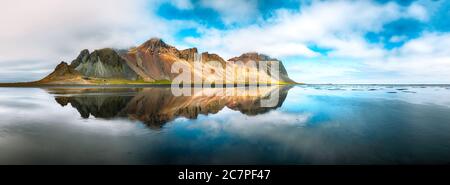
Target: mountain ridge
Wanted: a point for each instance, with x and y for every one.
(149, 63)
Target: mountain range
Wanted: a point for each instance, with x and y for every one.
(151, 63)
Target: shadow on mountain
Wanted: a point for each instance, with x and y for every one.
(156, 106)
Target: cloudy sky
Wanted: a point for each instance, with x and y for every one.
(318, 41)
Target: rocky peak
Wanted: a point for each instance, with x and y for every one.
(82, 57)
(253, 56)
(62, 71)
(102, 63)
(107, 56)
(188, 54)
(155, 44)
(206, 57)
(63, 68)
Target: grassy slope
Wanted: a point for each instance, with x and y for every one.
(94, 82)
(127, 82)
(101, 82)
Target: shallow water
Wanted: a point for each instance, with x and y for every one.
(308, 124)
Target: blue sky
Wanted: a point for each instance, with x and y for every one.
(318, 41)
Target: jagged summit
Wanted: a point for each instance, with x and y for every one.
(188, 54)
(155, 43)
(84, 54)
(103, 63)
(255, 56)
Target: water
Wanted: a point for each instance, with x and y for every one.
(309, 124)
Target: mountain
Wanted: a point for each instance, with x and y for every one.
(103, 63)
(151, 62)
(257, 57)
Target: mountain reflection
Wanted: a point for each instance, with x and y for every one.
(156, 106)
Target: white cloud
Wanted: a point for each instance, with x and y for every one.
(425, 59)
(338, 25)
(418, 11)
(54, 27)
(228, 120)
(321, 72)
(234, 11)
(182, 4)
(398, 38)
(429, 44)
(422, 60)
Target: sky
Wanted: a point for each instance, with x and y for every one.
(377, 41)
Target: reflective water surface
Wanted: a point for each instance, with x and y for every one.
(307, 124)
